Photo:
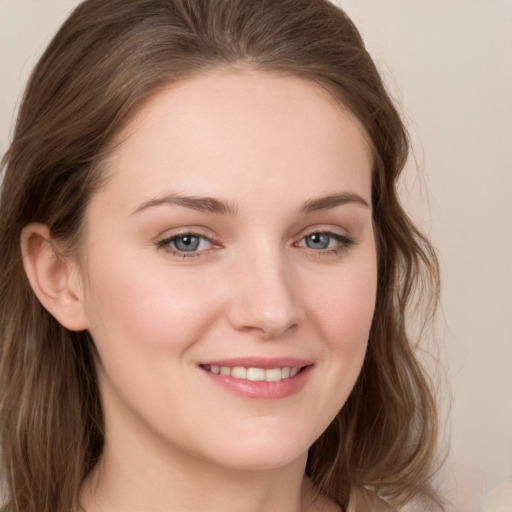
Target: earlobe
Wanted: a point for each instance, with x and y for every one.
(54, 278)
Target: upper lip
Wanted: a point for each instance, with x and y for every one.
(259, 362)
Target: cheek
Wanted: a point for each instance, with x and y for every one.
(132, 305)
(344, 307)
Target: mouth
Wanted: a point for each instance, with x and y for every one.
(254, 374)
(266, 379)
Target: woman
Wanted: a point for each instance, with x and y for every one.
(205, 268)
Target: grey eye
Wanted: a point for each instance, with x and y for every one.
(318, 241)
(186, 243)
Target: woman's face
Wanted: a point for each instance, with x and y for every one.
(230, 271)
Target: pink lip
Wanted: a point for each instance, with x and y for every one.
(261, 389)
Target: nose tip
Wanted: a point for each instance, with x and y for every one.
(264, 324)
(265, 303)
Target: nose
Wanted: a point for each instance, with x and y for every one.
(264, 300)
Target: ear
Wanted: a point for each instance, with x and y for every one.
(55, 279)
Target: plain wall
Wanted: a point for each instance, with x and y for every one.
(448, 63)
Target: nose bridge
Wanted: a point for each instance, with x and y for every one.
(264, 299)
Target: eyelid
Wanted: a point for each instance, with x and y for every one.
(337, 236)
(164, 242)
(335, 231)
(345, 241)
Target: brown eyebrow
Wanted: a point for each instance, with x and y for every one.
(212, 205)
(324, 203)
(202, 204)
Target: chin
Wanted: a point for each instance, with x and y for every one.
(263, 450)
(263, 460)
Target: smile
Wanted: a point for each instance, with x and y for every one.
(253, 374)
(257, 377)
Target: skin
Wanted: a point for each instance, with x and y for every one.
(266, 147)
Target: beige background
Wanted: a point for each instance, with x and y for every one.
(448, 63)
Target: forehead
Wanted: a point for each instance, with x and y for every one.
(242, 130)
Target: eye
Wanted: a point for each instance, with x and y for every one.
(185, 243)
(326, 242)
(318, 241)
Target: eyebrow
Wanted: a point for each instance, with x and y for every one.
(327, 202)
(212, 205)
(202, 204)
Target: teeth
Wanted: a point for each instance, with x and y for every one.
(273, 375)
(254, 374)
(239, 372)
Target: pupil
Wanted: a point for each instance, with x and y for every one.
(318, 241)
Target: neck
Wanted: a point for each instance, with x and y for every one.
(128, 482)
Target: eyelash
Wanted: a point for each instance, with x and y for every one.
(344, 243)
(166, 245)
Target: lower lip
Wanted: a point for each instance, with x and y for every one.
(261, 389)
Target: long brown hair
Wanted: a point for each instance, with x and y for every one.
(106, 60)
